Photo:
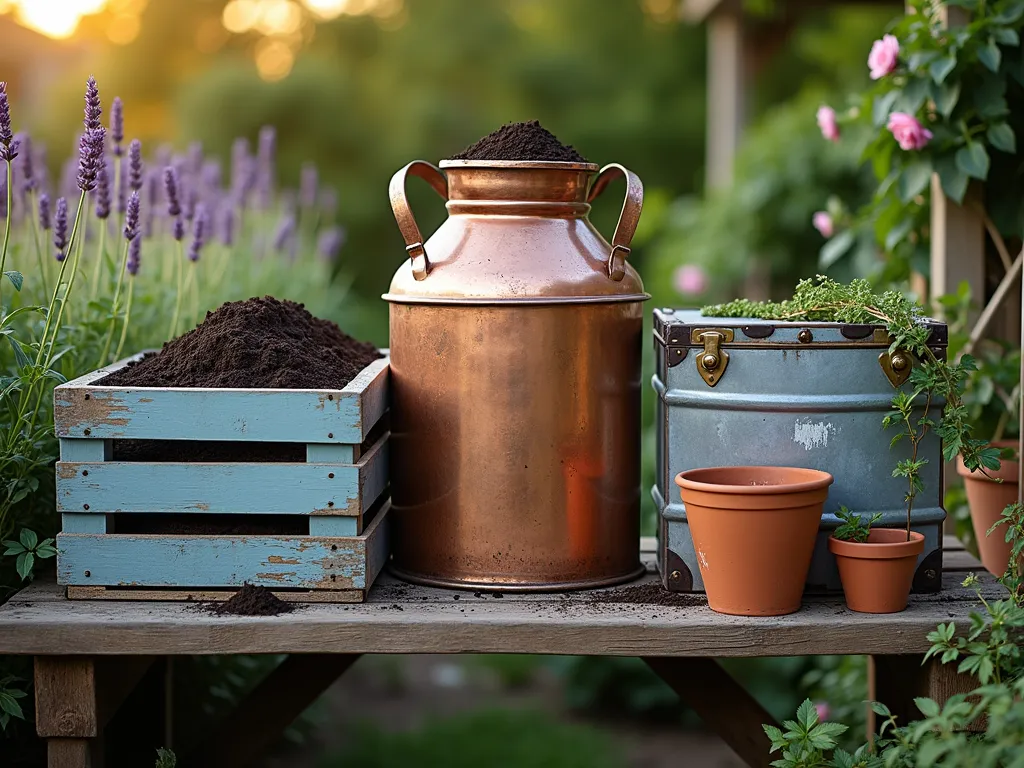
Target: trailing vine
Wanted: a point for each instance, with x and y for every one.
(933, 379)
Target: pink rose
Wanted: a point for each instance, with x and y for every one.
(908, 131)
(823, 223)
(827, 123)
(823, 711)
(690, 279)
(884, 56)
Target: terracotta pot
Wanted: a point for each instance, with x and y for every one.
(987, 500)
(753, 532)
(877, 574)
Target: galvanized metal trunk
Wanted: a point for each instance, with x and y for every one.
(734, 391)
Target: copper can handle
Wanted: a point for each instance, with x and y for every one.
(403, 213)
(628, 219)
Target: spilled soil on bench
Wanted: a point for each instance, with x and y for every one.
(252, 600)
(259, 343)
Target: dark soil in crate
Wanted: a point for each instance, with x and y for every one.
(189, 451)
(252, 600)
(259, 343)
(211, 525)
(520, 141)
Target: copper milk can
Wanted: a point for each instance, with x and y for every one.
(515, 367)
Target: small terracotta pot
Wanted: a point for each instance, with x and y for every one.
(753, 531)
(877, 574)
(987, 500)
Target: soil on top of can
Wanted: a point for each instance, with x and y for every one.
(252, 600)
(521, 141)
(259, 343)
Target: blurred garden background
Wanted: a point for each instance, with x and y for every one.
(355, 89)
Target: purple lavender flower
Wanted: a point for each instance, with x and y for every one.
(329, 243)
(44, 212)
(102, 191)
(131, 219)
(152, 191)
(227, 224)
(26, 167)
(210, 175)
(242, 170)
(191, 198)
(90, 157)
(117, 125)
(122, 184)
(93, 110)
(60, 228)
(308, 185)
(265, 164)
(171, 187)
(135, 165)
(178, 230)
(8, 146)
(198, 233)
(134, 249)
(285, 230)
(194, 158)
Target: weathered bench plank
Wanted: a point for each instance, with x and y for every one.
(82, 409)
(225, 487)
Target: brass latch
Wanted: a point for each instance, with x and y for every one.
(711, 363)
(896, 366)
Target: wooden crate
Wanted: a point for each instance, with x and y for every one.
(331, 507)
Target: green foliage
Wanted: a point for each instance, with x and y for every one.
(27, 549)
(9, 695)
(966, 86)
(932, 380)
(165, 758)
(486, 739)
(854, 527)
(784, 172)
(990, 652)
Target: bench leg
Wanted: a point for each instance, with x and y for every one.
(75, 697)
(898, 679)
(66, 710)
(722, 703)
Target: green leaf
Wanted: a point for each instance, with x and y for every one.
(13, 547)
(990, 55)
(23, 565)
(807, 714)
(1001, 137)
(880, 709)
(883, 106)
(1006, 36)
(946, 96)
(16, 278)
(21, 359)
(940, 68)
(835, 249)
(913, 95)
(57, 376)
(28, 538)
(914, 179)
(973, 160)
(896, 234)
(928, 707)
(9, 705)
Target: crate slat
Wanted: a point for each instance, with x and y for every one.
(186, 562)
(223, 487)
(83, 410)
(212, 595)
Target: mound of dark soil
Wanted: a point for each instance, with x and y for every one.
(520, 141)
(258, 344)
(251, 600)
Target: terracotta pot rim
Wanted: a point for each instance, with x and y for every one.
(816, 480)
(878, 550)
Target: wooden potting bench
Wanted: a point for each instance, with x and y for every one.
(89, 655)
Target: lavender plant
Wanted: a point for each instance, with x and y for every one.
(94, 266)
